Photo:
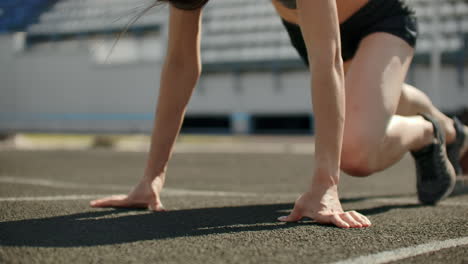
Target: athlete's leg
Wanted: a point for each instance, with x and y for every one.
(414, 101)
(374, 137)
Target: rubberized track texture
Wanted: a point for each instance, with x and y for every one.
(222, 209)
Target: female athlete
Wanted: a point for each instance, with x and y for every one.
(367, 118)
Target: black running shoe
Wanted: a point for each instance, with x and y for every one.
(435, 175)
(453, 149)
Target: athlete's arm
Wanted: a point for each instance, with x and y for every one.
(180, 73)
(179, 76)
(320, 27)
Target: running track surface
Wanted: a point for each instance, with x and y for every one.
(223, 209)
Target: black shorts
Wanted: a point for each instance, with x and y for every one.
(390, 16)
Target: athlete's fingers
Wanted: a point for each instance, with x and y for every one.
(294, 216)
(112, 197)
(359, 217)
(350, 220)
(365, 218)
(156, 206)
(110, 201)
(336, 220)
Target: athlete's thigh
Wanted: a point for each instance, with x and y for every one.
(373, 82)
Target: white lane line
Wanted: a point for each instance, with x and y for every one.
(182, 192)
(185, 192)
(93, 196)
(407, 252)
(72, 197)
(59, 184)
(275, 148)
(113, 187)
(166, 192)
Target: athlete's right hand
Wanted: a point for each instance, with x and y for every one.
(144, 195)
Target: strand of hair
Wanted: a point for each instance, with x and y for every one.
(127, 27)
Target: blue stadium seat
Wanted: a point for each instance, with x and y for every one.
(16, 15)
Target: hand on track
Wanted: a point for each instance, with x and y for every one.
(323, 205)
(144, 195)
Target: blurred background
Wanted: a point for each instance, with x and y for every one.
(55, 77)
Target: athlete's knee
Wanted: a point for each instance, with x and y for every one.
(356, 157)
(355, 165)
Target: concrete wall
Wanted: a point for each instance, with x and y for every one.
(451, 95)
(55, 90)
(253, 92)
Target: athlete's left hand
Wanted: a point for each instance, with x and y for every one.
(322, 204)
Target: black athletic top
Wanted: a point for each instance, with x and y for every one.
(289, 3)
(189, 5)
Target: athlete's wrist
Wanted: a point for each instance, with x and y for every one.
(324, 178)
(151, 176)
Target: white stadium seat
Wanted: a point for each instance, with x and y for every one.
(235, 29)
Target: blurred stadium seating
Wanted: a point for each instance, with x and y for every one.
(88, 16)
(16, 15)
(243, 40)
(234, 30)
(453, 23)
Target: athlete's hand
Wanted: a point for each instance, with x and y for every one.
(144, 195)
(322, 204)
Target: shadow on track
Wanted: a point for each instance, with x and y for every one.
(115, 226)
